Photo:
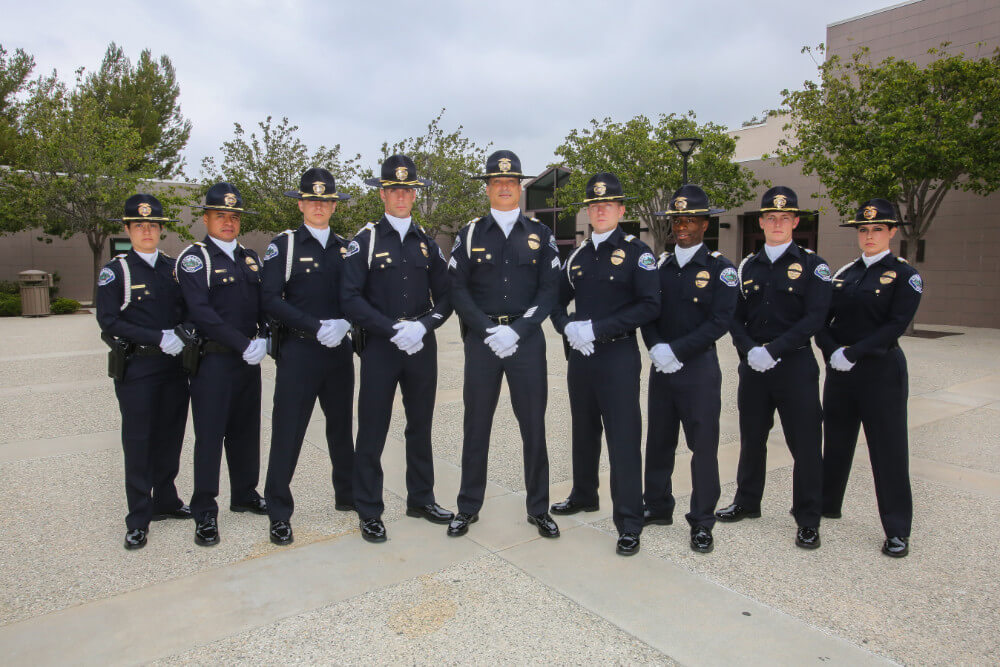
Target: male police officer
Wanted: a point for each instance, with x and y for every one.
(505, 281)
(612, 277)
(139, 303)
(698, 296)
(395, 287)
(301, 291)
(786, 293)
(220, 280)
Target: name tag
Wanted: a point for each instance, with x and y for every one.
(305, 259)
(381, 254)
(138, 287)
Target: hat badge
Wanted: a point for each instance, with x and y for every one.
(319, 187)
(600, 188)
(145, 209)
(870, 212)
(229, 199)
(402, 173)
(681, 203)
(504, 164)
(780, 201)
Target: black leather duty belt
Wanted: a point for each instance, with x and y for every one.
(211, 346)
(503, 319)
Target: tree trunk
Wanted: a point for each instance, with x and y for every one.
(912, 238)
(96, 243)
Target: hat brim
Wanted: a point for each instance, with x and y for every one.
(697, 212)
(230, 209)
(337, 196)
(858, 223)
(501, 174)
(414, 183)
(596, 200)
(142, 220)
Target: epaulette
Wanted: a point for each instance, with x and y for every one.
(811, 252)
(121, 255)
(716, 253)
(902, 260)
(474, 220)
(201, 243)
(534, 219)
(630, 237)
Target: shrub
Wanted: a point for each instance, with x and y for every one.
(9, 287)
(64, 306)
(10, 305)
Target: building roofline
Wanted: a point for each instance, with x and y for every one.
(872, 13)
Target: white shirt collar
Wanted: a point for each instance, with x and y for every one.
(505, 219)
(150, 257)
(874, 258)
(776, 251)
(228, 247)
(596, 238)
(401, 225)
(321, 235)
(684, 255)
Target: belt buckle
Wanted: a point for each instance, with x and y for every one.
(503, 319)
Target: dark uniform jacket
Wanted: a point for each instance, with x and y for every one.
(153, 296)
(497, 275)
(697, 303)
(871, 307)
(406, 280)
(782, 305)
(312, 291)
(223, 296)
(616, 286)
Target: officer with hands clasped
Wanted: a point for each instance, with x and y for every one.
(698, 295)
(301, 295)
(505, 281)
(875, 298)
(395, 288)
(220, 280)
(138, 306)
(612, 277)
(785, 296)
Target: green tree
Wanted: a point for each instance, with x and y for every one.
(14, 72)
(639, 153)
(897, 130)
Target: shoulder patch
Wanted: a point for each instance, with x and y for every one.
(917, 283)
(553, 244)
(271, 252)
(352, 249)
(729, 276)
(105, 277)
(457, 244)
(452, 264)
(555, 263)
(647, 261)
(822, 272)
(192, 263)
(441, 254)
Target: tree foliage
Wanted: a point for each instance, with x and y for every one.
(639, 153)
(14, 72)
(898, 130)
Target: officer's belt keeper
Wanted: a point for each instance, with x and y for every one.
(117, 356)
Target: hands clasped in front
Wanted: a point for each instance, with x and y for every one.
(503, 340)
(410, 338)
(331, 332)
(581, 337)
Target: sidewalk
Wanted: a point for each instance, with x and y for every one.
(70, 593)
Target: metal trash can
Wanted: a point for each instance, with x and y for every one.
(35, 286)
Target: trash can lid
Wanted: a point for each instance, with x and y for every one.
(33, 273)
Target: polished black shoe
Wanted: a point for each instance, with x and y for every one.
(460, 524)
(628, 544)
(433, 513)
(182, 512)
(570, 506)
(344, 505)
(258, 506)
(135, 539)
(737, 512)
(701, 540)
(281, 533)
(206, 533)
(832, 515)
(807, 538)
(373, 530)
(897, 547)
(546, 526)
(659, 518)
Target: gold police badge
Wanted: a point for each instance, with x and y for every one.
(504, 164)
(680, 204)
(701, 279)
(343, 251)
(870, 212)
(252, 264)
(423, 249)
(780, 201)
(534, 242)
(600, 188)
(618, 256)
(794, 270)
(319, 187)
(887, 277)
(229, 199)
(145, 209)
(402, 173)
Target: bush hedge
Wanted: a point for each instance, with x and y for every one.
(10, 305)
(64, 306)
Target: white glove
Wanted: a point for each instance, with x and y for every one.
(256, 351)
(586, 332)
(671, 366)
(503, 354)
(760, 359)
(502, 340)
(839, 362)
(413, 349)
(170, 343)
(410, 333)
(579, 334)
(586, 349)
(332, 332)
(661, 354)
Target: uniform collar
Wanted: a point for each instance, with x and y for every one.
(792, 251)
(616, 238)
(488, 220)
(700, 256)
(214, 248)
(385, 227)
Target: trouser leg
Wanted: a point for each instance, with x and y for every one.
(528, 382)
(480, 392)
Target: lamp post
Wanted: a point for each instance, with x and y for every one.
(685, 147)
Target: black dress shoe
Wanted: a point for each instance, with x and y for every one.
(460, 524)
(832, 515)
(135, 539)
(736, 512)
(373, 530)
(570, 506)
(659, 518)
(281, 533)
(344, 505)
(206, 533)
(897, 547)
(182, 512)
(546, 526)
(701, 540)
(807, 538)
(628, 544)
(258, 506)
(433, 513)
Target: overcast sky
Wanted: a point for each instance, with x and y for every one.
(518, 74)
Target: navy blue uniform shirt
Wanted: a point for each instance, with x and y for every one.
(155, 302)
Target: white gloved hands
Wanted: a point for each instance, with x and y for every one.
(580, 336)
(170, 343)
(410, 336)
(331, 332)
(256, 351)
(503, 340)
(664, 359)
(760, 359)
(839, 362)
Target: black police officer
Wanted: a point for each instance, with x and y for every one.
(395, 287)
(220, 280)
(301, 291)
(612, 277)
(875, 297)
(139, 303)
(505, 281)
(785, 295)
(698, 296)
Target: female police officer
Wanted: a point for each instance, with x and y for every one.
(874, 299)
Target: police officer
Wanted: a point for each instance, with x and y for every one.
(395, 287)
(505, 281)
(301, 292)
(874, 299)
(785, 295)
(612, 277)
(139, 304)
(698, 295)
(220, 280)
